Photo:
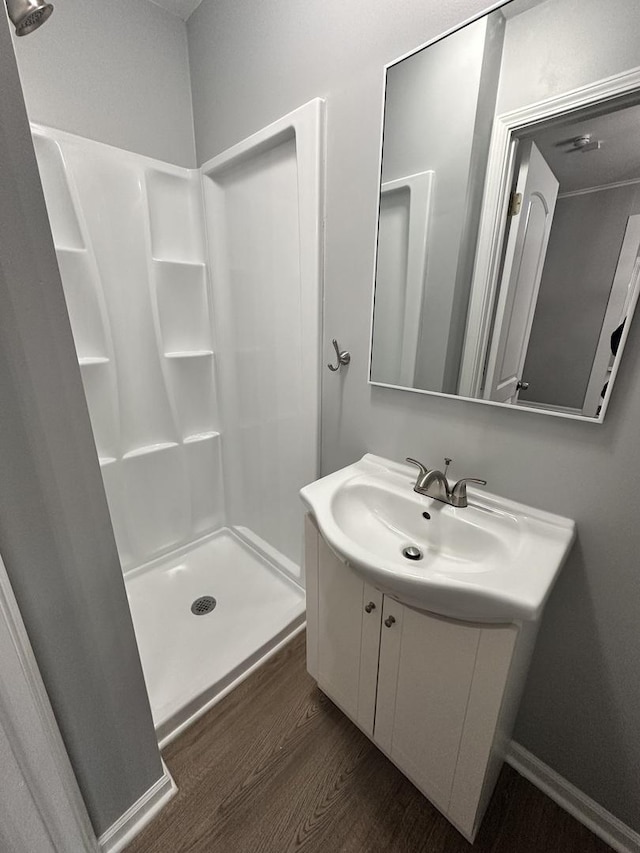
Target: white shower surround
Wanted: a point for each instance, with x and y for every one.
(258, 194)
(129, 240)
(149, 328)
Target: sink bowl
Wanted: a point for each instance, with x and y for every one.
(493, 561)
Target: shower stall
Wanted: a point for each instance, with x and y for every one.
(194, 302)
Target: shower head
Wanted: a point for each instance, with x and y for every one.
(27, 15)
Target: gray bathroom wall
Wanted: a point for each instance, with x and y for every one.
(582, 257)
(534, 68)
(422, 94)
(488, 93)
(55, 532)
(114, 71)
(251, 63)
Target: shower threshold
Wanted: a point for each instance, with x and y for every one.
(192, 658)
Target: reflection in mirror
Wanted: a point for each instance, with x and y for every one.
(509, 225)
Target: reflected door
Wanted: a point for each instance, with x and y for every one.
(526, 249)
(622, 300)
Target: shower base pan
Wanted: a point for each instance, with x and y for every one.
(244, 609)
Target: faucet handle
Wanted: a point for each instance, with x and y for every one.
(462, 483)
(459, 491)
(423, 468)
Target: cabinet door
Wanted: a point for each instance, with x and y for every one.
(348, 637)
(425, 674)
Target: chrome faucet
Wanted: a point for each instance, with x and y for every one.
(434, 484)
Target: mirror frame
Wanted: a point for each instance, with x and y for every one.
(493, 219)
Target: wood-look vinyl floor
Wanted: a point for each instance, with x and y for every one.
(277, 768)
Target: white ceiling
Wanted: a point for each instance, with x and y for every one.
(617, 160)
(181, 8)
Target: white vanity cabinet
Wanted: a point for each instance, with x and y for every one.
(348, 614)
(438, 696)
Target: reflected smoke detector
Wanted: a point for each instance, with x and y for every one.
(28, 15)
(586, 143)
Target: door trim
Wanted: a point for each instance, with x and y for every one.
(29, 726)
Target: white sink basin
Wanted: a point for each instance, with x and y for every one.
(495, 560)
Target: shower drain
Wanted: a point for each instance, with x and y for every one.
(202, 605)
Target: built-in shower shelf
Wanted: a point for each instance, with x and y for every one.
(201, 436)
(175, 215)
(194, 353)
(86, 360)
(178, 263)
(149, 448)
(72, 250)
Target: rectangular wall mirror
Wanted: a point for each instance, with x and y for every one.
(508, 250)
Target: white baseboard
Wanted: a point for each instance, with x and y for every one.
(602, 823)
(133, 821)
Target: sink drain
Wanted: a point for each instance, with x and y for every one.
(412, 553)
(202, 605)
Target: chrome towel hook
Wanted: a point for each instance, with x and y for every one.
(343, 357)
